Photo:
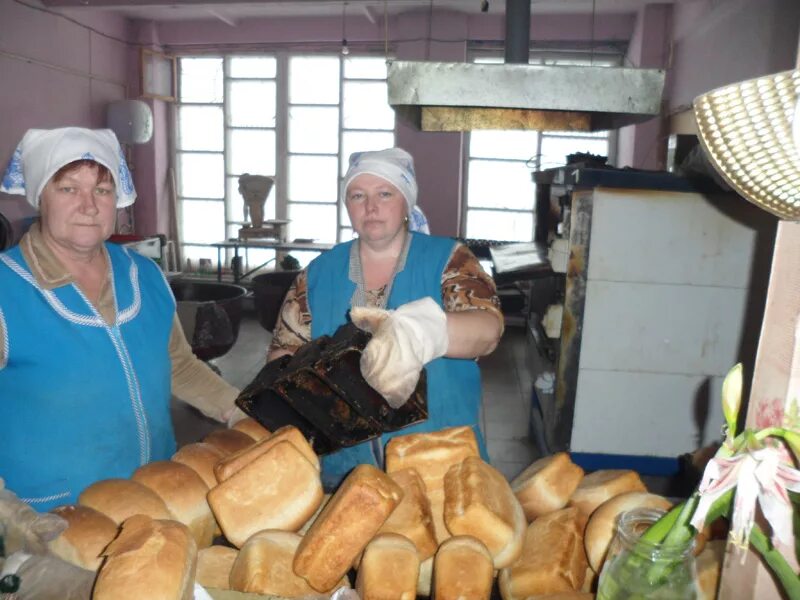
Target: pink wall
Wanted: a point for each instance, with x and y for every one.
(717, 43)
(643, 146)
(54, 73)
(438, 156)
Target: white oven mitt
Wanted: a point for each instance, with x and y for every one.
(25, 529)
(47, 577)
(403, 341)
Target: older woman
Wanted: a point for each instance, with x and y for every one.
(90, 345)
(425, 298)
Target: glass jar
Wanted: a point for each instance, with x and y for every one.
(637, 570)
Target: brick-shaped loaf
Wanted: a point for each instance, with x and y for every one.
(345, 526)
(280, 489)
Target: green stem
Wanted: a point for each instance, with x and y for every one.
(785, 574)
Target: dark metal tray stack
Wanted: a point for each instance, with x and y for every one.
(320, 390)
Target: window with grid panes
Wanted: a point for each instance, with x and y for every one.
(231, 120)
(500, 193)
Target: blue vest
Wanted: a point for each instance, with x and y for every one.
(454, 385)
(81, 400)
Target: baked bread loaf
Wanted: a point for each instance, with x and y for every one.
(412, 517)
(432, 454)
(119, 499)
(595, 488)
(552, 560)
(201, 457)
(348, 522)
(307, 525)
(389, 569)
(228, 441)
(184, 493)
(264, 566)
(425, 580)
(87, 534)
(150, 558)
(214, 566)
(278, 490)
(252, 428)
(565, 596)
(462, 570)
(478, 502)
(602, 524)
(234, 462)
(546, 485)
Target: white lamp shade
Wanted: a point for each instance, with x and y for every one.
(131, 120)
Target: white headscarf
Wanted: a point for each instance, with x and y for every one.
(395, 165)
(42, 152)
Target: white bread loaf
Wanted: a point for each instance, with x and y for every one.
(479, 503)
(412, 517)
(389, 569)
(278, 490)
(602, 525)
(709, 568)
(150, 558)
(462, 570)
(234, 462)
(228, 441)
(214, 566)
(553, 559)
(184, 493)
(307, 525)
(252, 428)
(546, 485)
(348, 522)
(432, 454)
(201, 457)
(87, 535)
(264, 566)
(119, 499)
(595, 488)
(425, 580)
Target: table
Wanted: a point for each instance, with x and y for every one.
(264, 244)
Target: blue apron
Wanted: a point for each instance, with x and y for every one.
(454, 385)
(81, 400)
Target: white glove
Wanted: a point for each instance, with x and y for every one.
(403, 341)
(26, 529)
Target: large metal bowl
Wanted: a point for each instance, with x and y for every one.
(269, 290)
(210, 314)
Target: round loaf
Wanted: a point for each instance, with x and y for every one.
(252, 428)
(546, 485)
(462, 568)
(229, 441)
(603, 523)
(264, 566)
(201, 457)
(184, 493)
(214, 566)
(597, 487)
(87, 535)
(119, 499)
(389, 569)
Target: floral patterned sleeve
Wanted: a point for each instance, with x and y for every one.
(466, 286)
(293, 328)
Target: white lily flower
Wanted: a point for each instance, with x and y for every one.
(762, 476)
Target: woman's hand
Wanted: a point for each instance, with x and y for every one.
(403, 341)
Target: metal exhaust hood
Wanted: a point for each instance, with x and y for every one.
(435, 96)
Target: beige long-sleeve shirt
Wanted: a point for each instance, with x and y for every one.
(192, 380)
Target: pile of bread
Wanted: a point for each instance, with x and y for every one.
(438, 522)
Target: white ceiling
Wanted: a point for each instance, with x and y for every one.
(167, 10)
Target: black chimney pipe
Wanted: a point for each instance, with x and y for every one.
(518, 31)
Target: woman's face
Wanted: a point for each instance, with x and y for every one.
(377, 208)
(77, 210)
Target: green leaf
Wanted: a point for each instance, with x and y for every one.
(732, 397)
